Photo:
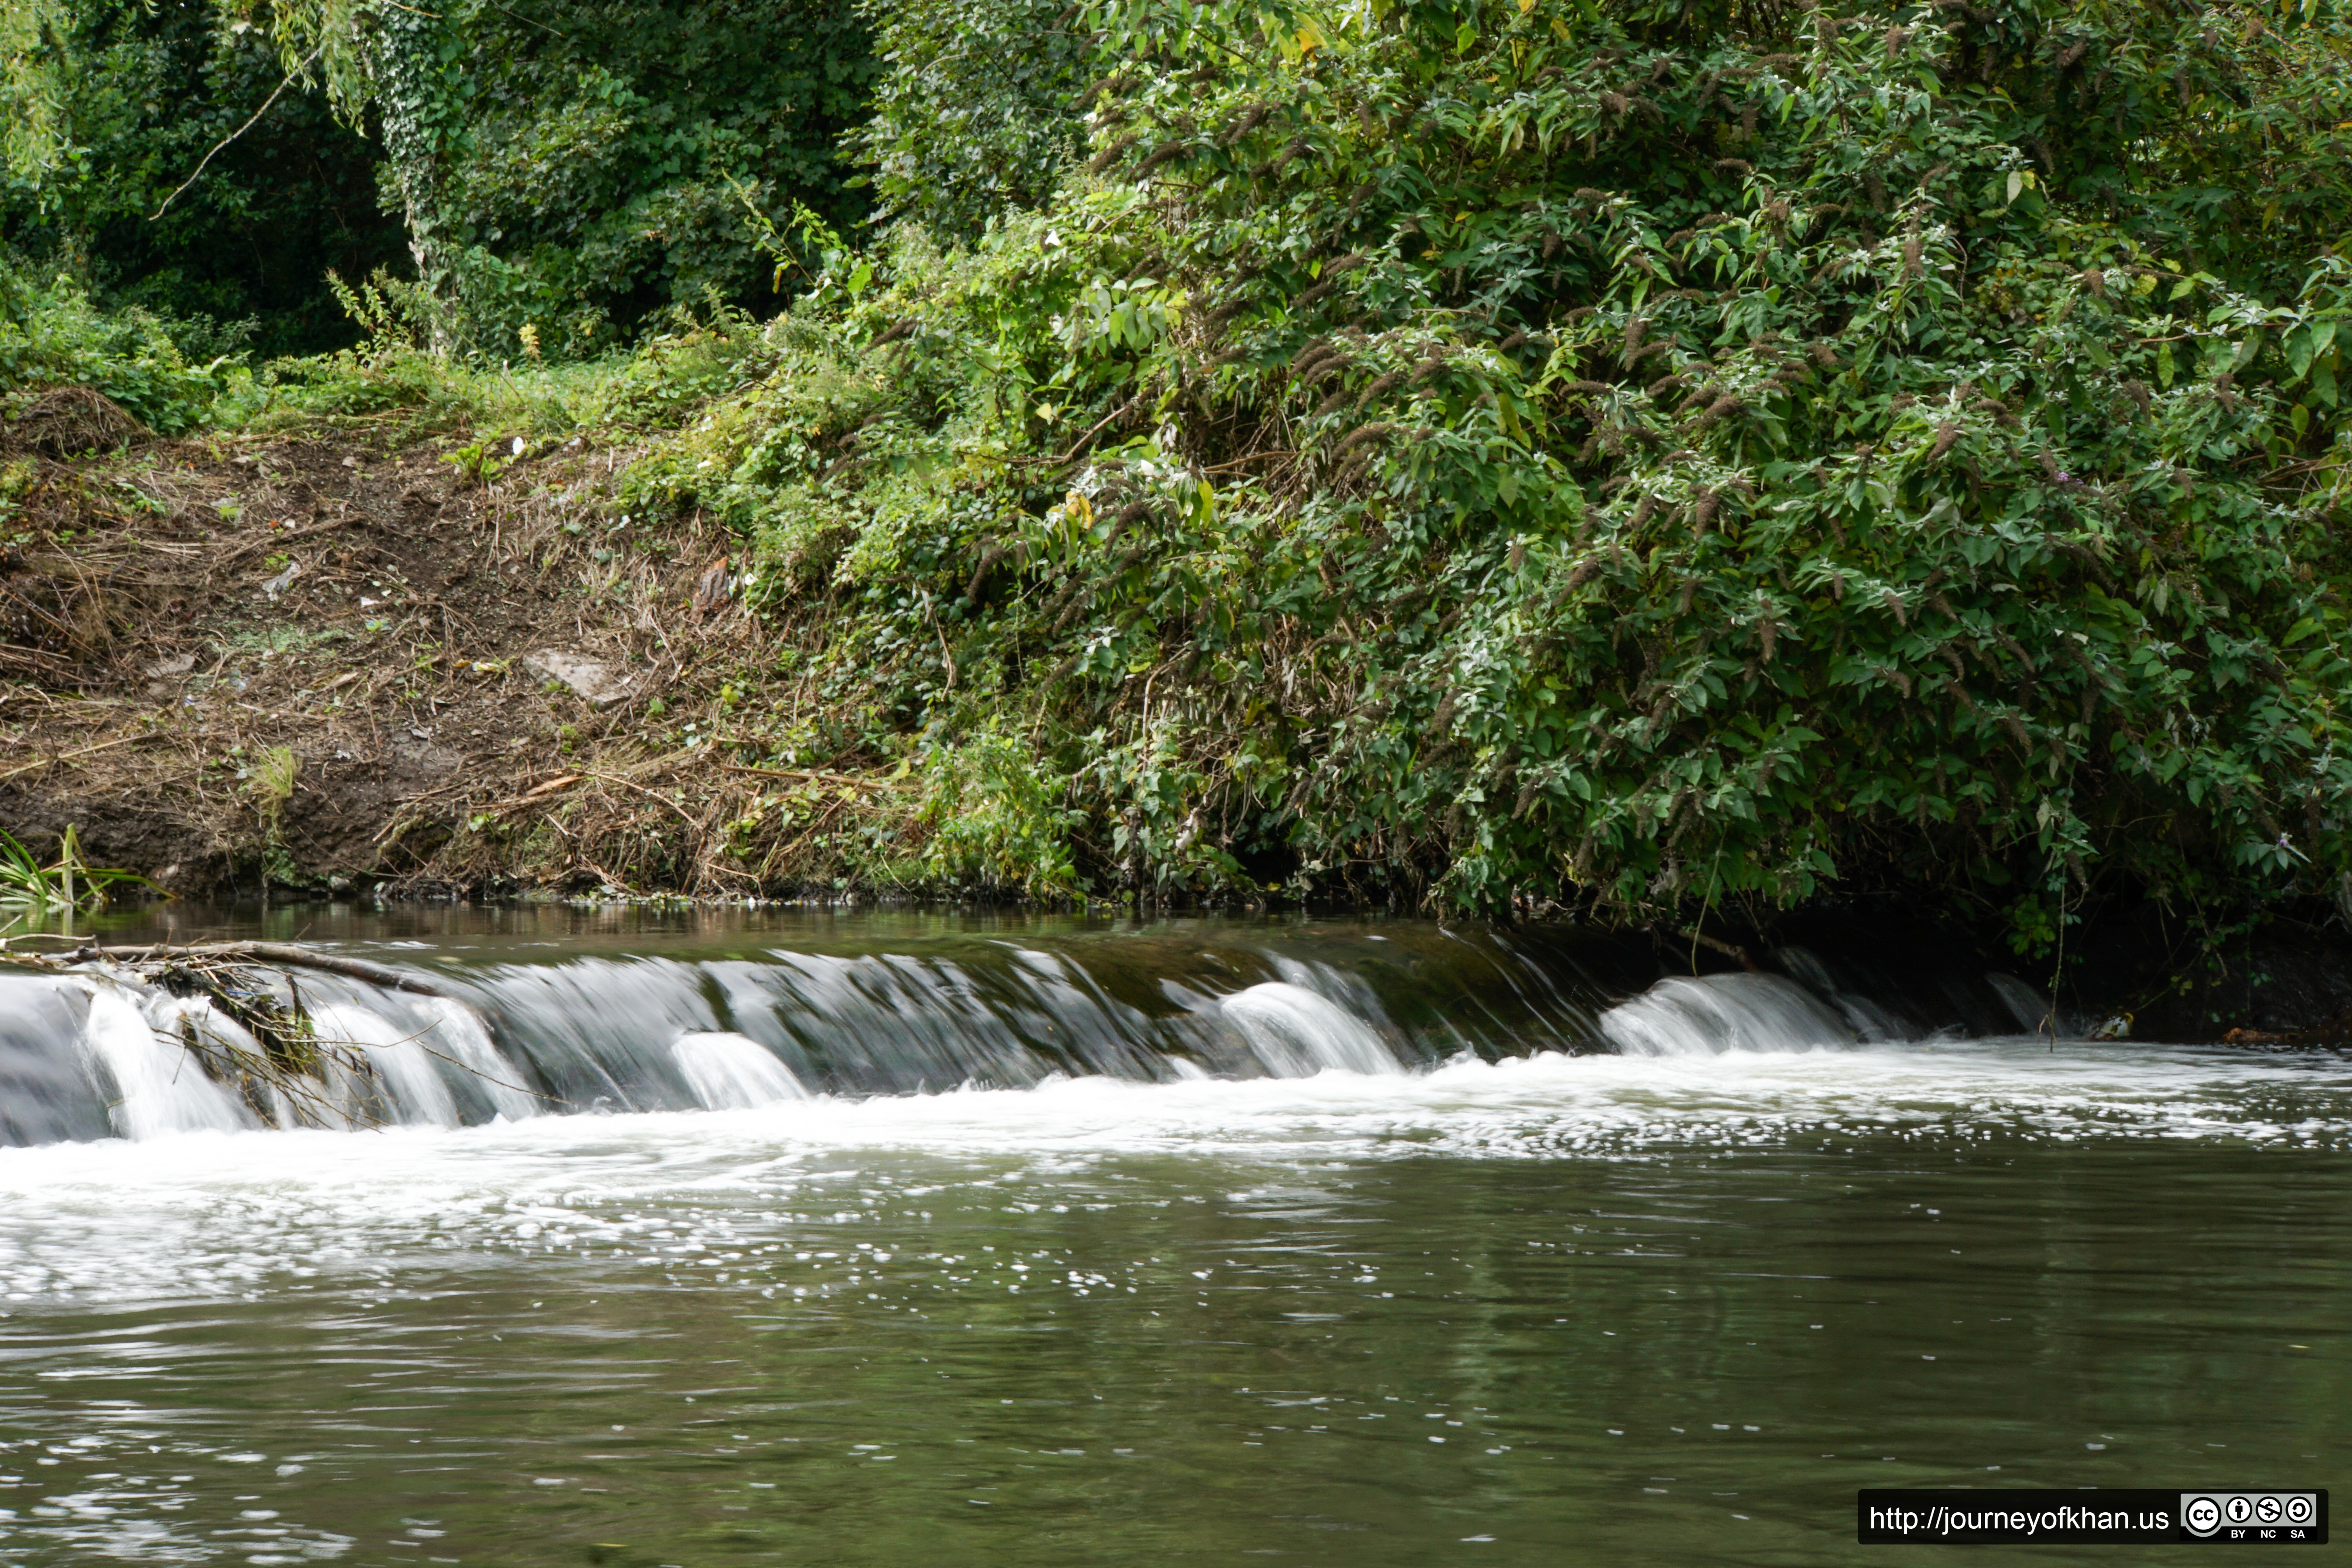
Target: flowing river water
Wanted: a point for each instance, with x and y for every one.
(787, 1240)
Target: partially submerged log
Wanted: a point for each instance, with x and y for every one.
(277, 955)
(284, 955)
(274, 1054)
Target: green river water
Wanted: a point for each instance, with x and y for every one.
(1563, 1310)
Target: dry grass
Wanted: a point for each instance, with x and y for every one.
(375, 718)
(66, 420)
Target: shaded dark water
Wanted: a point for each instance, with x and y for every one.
(1593, 1308)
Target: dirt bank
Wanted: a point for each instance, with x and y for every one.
(325, 663)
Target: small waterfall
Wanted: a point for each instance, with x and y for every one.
(404, 1083)
(516, 1033)
(730, 1072)
(1295, 1033)
(1871, 1022)
(1716, 1013)
(46, 1093)
(458, 1032)
(2031, 1009)
(383, 1059)
(158, 1086)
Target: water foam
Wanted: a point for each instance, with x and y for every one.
(200, 1213)
(729, 1072)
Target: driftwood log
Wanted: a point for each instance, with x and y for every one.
(292, 1058)
(278, 955)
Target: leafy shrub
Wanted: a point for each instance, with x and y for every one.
(992, 819)
(673, 373)
(975, 113)
(583, 169)
(394, 370)
(52, 335)
(143, 94)
(575, 170)
(1642, 460)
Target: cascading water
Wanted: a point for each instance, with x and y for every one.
(95, 1051)
(1295, 1033)
(1678, 1018)
(730, 1072)
(129, 1039)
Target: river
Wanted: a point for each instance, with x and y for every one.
(1050, 1242)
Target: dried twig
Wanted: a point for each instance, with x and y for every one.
(69, 756)
(817, 775)
(192, 179)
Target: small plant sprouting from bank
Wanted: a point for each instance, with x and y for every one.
(275, 772)
(69, 882)
(479, 462)
(274, 775)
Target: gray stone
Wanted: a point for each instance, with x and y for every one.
(593, 679)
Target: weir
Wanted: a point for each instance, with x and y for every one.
(94, 1051)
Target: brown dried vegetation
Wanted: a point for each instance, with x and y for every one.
(170, 615)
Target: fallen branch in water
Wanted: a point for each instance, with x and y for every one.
(270, 952)
(275, 1057)
(382, 974)
(1728, 950)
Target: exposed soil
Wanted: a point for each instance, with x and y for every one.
(186, 629)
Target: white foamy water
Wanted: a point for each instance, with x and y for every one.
(1296, 1033)
(205, 1213)
(729, 1072)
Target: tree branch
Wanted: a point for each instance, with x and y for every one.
(233, 135)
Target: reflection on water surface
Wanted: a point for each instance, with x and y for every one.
(1554, 1309)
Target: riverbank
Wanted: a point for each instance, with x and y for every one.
(343, 663)
(292, 665)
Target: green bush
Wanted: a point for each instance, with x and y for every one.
(393, 381)
(975, 113)
(673, 373)
(239, 258)
(53, 336)
(583, 170)
(1646, 460)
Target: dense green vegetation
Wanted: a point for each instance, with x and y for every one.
(1650, 456)
(977, 112)
(1523, 452)
(573, 166)
(238, 260)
